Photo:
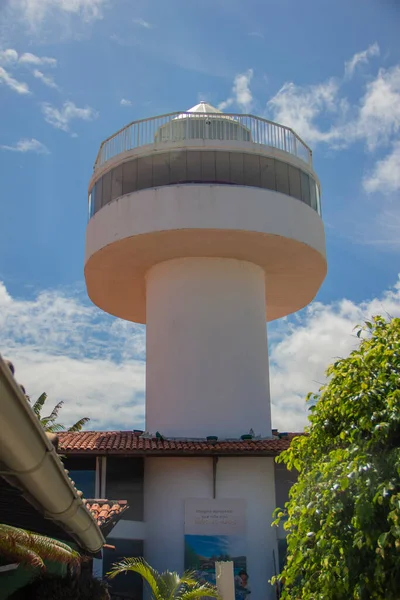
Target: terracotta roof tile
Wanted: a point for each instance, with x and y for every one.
(129, 443)
(106, 512)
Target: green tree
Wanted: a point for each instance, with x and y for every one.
(32, 549)
(343, 515)
(50, 423)
(167, 585)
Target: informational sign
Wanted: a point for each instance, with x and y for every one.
(215, 531)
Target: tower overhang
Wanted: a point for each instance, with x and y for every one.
(128, 236)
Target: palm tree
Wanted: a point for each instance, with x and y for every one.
(32, 549)
(167, 585)
(49, 423)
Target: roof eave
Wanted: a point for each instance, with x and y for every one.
(30, 458)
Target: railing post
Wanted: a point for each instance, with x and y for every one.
(232, 127)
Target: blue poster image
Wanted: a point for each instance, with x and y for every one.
(203, 551)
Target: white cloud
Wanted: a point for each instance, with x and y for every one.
(374, 119)
(34, 12)
(311, 342)
(27, 145)
(61, 118)
(321, 114)
(379, 113)
(95, 363)
(242, 95)
(143, 23)
(360, 58)
(8, 57)
(46, 79)
(241, 90)
(299, 107)
(385, 177)
(64, 346)
(11, 57)
(31, 59)
(17, 86)
(125, 102)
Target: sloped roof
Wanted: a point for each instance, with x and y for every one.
(107, 513)
(31, 465)
(204, 107)
(129, 443)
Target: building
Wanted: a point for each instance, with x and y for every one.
(39, 495)
(205, 225)
(35, 491)
(113, 464)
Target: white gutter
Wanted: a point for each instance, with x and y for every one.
(28, 455)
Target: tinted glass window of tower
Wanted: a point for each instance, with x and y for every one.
(124, 481)
(207, 166)
(83, 472)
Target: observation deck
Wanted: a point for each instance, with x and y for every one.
(209, 184)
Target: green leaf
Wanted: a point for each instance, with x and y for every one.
(347, 492)
(382, 539)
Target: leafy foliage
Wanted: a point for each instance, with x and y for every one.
(167, 585)
(32, 549)
(50, 423)
(343, 516)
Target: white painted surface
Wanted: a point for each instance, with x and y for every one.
(170, 481)
(252, 478)
(202, 206)
(167, 483)
(206, 349)
(282, 235)
(225, 580)
(129, 530)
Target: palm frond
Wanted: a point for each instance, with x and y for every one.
(168, 585)
(32, 549)
(170, 582)
(190, 577)
(54, 413)
(140, 566)
(79, 424)
(205, 590)
(53, 550)
(51, 426)
(18, 553)
(37, 407)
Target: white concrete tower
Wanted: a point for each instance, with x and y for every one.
(204, 226)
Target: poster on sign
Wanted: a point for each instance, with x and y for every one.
(215, 530)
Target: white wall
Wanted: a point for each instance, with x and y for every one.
(206, 349)
(170, 481)
(129, 530)
(167, 483)
(281, 234)
(252, 478)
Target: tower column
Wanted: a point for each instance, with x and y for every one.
(207, 354)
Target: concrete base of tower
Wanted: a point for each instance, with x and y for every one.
(169, 482)
(206, 349)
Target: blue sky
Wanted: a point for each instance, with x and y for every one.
(74, 71)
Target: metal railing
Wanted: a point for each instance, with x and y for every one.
(175, 127)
